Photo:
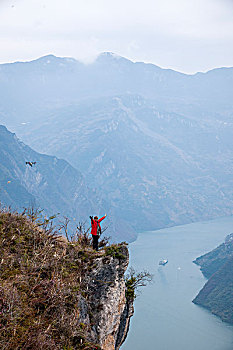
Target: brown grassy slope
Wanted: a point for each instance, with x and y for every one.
(41, 280)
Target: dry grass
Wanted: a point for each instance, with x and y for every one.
(41, 280)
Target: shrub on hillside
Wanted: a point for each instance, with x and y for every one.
(41, 281)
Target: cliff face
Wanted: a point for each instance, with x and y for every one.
(216, 295)
(56, 294)
(106, 309)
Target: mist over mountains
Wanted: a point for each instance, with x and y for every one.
(157, 144)
(48, 82)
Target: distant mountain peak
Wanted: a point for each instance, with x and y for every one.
(52, 59)
(50, 56)
(110, 54)
(111, 57)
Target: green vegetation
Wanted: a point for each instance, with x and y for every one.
(115, 251)
(42, 278)
(217, 293)
(211, 262)
(134, 280)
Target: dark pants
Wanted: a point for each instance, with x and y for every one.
(95, 242)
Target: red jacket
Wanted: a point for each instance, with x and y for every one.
(95, 224)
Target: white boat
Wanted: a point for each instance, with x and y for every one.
(163, 262)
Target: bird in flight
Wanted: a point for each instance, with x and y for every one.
(30, 163)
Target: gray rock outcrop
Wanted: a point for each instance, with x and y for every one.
(105, 310)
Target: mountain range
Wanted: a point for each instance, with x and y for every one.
(156, 144)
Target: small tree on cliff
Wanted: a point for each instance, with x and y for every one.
(135, 280)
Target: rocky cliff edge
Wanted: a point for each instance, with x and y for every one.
(59, 294)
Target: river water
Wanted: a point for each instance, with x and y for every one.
(165, 317)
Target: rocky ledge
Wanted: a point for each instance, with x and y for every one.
(58, 294)
(106, 310)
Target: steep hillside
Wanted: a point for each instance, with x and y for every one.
(214, 260)
(217, 293)
(155, 168)
(157, 144)
(58, 294)
(54, 184)
(51, 184)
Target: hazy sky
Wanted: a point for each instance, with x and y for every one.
(186, 35)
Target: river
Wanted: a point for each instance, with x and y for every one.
(165, 317)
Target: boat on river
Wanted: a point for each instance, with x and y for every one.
(163, 262)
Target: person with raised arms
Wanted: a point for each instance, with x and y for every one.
(96, 230)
